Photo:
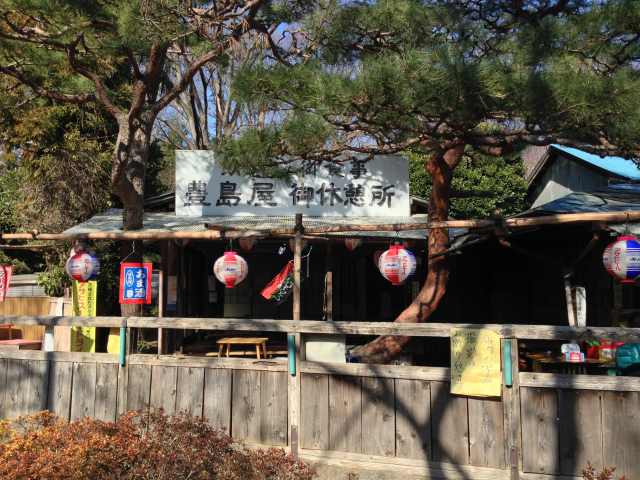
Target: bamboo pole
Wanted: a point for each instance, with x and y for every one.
(215, 232)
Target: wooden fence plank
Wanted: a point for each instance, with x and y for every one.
(17, 386)
(315, 411)
(486, 433)
(139, 387)
(106, 391)
(523, 332)
(217, 398)
(273, 408)
(378, 417)
(449, 425)
(83, 393)
(540, 434)
(190, 391)
(580, 382)
(123, 387)
(60, 382)
(3, 386)
(164, 381)
(413, 414)
(245, 401)
(621, 432)
(38, 386)
(345, 414)
(580, 430)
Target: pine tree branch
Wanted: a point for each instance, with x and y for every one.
(101, 90)
(79, 98)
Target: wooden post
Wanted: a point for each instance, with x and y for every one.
(296, 341)
(161, 306)
(328, 285)
(571, 311)
(511, 400)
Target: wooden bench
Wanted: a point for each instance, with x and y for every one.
(260, 344)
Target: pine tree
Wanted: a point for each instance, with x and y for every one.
(118, 55)
(447, 78)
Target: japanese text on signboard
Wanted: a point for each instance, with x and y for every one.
(353, 186)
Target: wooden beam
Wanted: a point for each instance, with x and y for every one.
(580, 382)
(438, 374)
(215, 232)
(116, 235)
(525, 332)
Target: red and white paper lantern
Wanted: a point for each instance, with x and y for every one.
(230, 269)
(397, 264)
(622, 258)
(83, 266)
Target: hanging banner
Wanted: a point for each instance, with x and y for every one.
(135, 283)
(5, 280)
(84, 300)
(475, 362)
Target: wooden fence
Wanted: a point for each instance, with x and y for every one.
(382, 416)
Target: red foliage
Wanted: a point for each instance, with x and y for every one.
(590, 473)
(138, 446)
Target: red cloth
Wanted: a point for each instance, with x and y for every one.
(276, 282)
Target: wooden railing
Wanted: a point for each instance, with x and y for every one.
(381, 416)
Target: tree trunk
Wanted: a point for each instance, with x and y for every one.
(129, 168)
(128, 178)
(383, 349)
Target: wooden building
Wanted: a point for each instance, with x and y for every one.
(555, 171)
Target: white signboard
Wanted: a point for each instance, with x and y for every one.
(355, 187)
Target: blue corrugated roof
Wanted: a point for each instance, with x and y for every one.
(619, 166)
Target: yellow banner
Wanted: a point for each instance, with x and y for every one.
(84, 298)
(475, 363)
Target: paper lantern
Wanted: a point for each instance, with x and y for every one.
(83, 266)
(247, 243)
(352, 243)
(622, 258)
(396, 264)
(230, 269)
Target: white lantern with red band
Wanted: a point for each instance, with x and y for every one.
(397, 264)
(230, 269)
(83, 266)
(622, 258)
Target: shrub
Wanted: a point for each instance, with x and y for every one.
(138, 446)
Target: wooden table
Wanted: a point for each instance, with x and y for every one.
(539, 361)
(7, 326)
(20, 344)
(259, 342)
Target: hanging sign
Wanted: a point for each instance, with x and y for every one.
(350, 186)
(475, 362)
(5, 280)
(84, 300)
(135, 283)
